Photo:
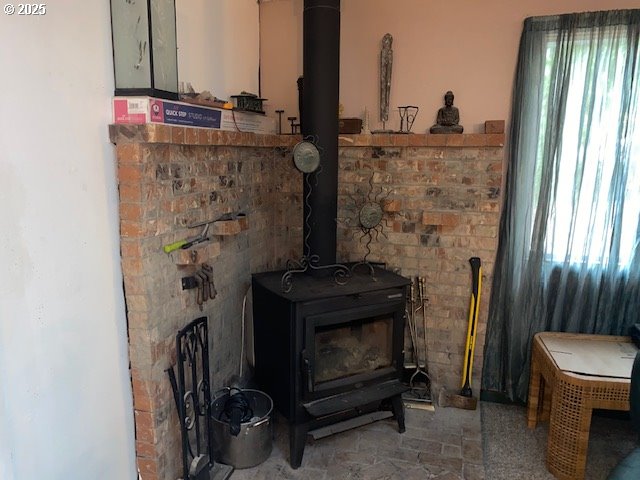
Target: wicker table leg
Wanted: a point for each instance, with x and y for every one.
(535, 381)
(547, 391)
(568, 430)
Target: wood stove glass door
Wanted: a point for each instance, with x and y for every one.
(348, 347)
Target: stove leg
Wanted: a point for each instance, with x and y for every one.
(398, 412)
(297, 441)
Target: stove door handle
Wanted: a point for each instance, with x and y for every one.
(308, 371)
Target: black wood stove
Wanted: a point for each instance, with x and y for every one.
(326, 353)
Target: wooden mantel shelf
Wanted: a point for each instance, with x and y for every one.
(170, 134)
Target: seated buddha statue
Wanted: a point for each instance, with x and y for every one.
(448, 117)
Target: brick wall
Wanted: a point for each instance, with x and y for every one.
(441, 194)
(169, 178)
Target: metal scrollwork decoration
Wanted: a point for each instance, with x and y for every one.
(293, 267)
(190, 412)
(367, 214)
(307, 159)
(341, 272)
(192, 395)
(408, 115)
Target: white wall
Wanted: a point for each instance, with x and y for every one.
(218, 45)
(65, 397)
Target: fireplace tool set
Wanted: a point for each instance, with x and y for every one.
(221, 432)
(192, 395)
(419, 382)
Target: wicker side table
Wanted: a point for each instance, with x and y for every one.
(572, 397)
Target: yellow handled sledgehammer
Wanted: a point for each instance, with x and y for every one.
(465, 399)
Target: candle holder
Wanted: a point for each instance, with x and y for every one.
(408, 115)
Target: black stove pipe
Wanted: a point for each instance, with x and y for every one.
(321, 73)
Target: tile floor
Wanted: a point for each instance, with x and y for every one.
(445, 444)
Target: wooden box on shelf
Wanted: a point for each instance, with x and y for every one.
(350, 125)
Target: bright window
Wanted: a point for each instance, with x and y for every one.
(583, 226)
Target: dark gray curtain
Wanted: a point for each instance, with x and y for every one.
(568, 256)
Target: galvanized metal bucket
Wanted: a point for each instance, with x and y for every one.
(253, 444)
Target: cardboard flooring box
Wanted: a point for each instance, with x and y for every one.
(139, 110)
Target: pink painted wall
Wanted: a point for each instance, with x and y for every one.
(466, 46)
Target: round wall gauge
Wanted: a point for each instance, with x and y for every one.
(306, 157)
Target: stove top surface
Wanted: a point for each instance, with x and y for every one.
(306, 286)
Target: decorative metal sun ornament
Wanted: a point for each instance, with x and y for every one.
(370, 215)
(367, 215)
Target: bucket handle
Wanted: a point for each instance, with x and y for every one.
(259, 422)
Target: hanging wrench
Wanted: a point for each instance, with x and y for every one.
(199, 290)
(205, 284)
(208, 271)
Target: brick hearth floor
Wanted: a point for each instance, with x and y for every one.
(443, 445)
